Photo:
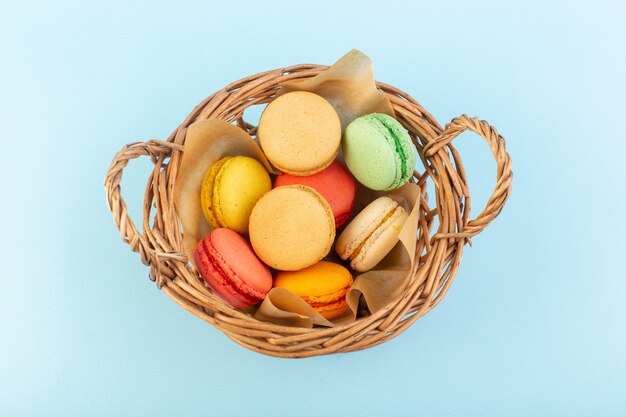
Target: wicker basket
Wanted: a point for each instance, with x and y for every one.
(439, 251)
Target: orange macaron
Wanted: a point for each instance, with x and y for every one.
(323, 286)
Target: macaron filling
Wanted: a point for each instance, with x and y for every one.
(216, 207)
(329, 305)
(304, 173)
(391, 129)
(210, 198)
(336, 297)
(357, 250)
(233, 283)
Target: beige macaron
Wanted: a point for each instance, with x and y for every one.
(300, 133)
(371, 234)
(292, 227)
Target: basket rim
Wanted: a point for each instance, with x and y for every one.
(439, 254)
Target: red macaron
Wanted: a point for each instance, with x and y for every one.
(230, 267)
(334, 183)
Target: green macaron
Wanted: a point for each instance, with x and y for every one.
(378, 151)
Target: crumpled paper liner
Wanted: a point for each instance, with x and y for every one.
(207, 141)
(388, 279)
(372, 290)
(349, 86)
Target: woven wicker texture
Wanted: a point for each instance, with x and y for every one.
(439, 250)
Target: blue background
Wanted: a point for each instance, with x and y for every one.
(534, 323)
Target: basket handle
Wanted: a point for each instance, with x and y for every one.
(504, 175)
(116, 203)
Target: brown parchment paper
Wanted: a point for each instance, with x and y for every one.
(349, 86)
(283, 307)
(388, 279)
(206, 142)
(371, 290)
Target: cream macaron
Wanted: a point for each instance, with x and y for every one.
(371, 234)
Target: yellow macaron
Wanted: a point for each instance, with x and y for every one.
(230, 188)
(323, 286)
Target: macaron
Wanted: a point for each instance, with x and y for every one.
(334, 183)
(323, 286)
(371, 234)
(292, 227)
(230, 188)
(228, 265)
(378, 151)
(300, 133)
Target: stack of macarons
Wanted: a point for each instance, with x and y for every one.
(278, 231)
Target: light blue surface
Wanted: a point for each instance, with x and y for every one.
(534, 323)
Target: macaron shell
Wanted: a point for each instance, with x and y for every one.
(323, 285)
(363, 225)
(206, 193)
(379, 151)
(300, 133)
(405, 150)
(380, 242)
(334, 183)
(230, 189)
(292, 227)
(239, 186)
(230, 267)
(332, 311)
(331, 305)
(369, 154)
(238, 254)
(215, 278)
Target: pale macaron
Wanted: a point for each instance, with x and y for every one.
(300, 133)
(371, 235)
(230, 188)
(292, 227)
(379, 152)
